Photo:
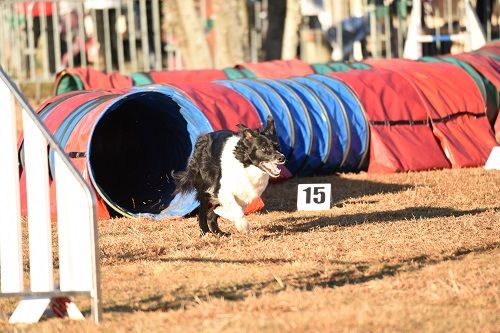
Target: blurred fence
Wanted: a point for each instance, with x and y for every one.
(42, 37)
(378, 28)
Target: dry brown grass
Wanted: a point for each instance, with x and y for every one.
(414, 252)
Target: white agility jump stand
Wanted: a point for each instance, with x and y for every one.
(473, 37)
(76, 219)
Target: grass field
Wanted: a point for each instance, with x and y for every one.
(415, 252)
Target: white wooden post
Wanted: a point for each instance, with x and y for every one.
(31, 309)
(11, 258)
(38, 199)
(75, 263)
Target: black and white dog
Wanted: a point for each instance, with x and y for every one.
(228, 170)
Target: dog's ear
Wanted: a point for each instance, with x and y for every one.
(242, 127)
(270, 129)
(246, 133)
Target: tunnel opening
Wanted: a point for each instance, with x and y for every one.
(135, 147)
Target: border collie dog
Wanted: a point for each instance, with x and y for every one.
(228, 170)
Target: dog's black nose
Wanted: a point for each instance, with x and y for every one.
(281, 158)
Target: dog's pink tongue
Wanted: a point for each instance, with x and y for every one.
(273, 167)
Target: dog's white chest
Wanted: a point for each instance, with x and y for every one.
(245, 184)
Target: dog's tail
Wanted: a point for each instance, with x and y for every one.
(184, 181)
(188, 180)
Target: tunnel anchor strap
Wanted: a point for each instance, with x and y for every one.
(77, 154)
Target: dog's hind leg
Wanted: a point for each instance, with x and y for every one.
(202, 215)
(213, 225)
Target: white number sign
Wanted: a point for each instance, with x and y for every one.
(314, 196)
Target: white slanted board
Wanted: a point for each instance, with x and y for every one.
(73, 312)
(29, 311)
(11, 260)
(493, 162)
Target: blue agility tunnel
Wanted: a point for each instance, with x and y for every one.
(265, 104)
(337, 121)
(319, 118)
(300, 161)
(322, 132)
(358, 124)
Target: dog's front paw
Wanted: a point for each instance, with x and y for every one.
(242, 225)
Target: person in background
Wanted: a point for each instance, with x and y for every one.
(34, 11)
(100, 7)
(68, 19)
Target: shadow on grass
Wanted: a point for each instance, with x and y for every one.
(244, 261)
(317, 222)
(228, 261)
(349, 273)
(276, 261)
(283, 197)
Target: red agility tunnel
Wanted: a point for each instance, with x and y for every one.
(276, 69)
(53, 113)
(487, 62)
(184, 76)
(455, 107)
(223, 107)
(71, 79)
(497, 130)
(400, 136)
(492, 47)
(488, 66)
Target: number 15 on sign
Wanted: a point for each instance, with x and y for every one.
(314, 196)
